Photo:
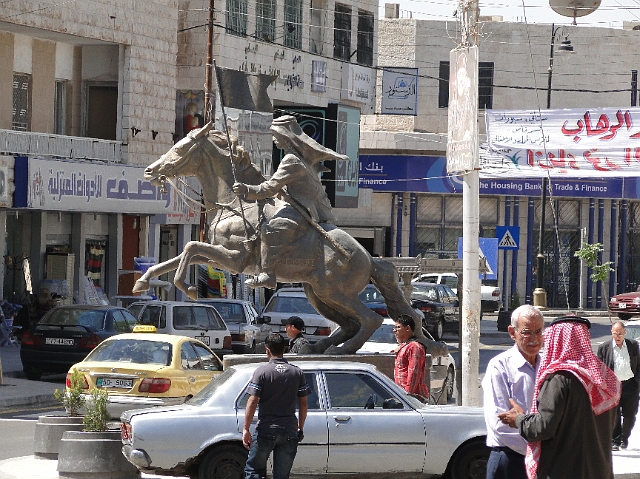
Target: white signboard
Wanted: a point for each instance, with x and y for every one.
(6, 181)
(572, 143)
(462, 144)
(74, 186)
(358, 84)
(399, 91)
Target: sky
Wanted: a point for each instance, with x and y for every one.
(611, 13)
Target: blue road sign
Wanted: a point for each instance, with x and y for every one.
(489, 250)
(508, 237)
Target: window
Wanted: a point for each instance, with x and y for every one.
(59, 108)
(21, 120)
(266, 20)
(190, 360)
(293, 23)
(365, 38)
(209, 361)
(316, 30)
(485, 85)
(357, 390)
(236, 17)
(153, 315)
(342, 33)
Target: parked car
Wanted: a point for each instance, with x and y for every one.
(633, 330)
(141, 370)
(373, 299)
(198, 321)
(287, 302)
(625, 305)
(439, 304)
(490, 296)
(66, 334)
(359, 423)
(443, 368)
(241, 318)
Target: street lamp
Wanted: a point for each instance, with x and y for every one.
(539, 294)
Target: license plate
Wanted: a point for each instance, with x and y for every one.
(622, 305)
(205, 339)
(59, 341)
(114, 383)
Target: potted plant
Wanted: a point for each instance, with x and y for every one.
(49, 429)
(96, 450)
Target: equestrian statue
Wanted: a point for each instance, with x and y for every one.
(280, 229)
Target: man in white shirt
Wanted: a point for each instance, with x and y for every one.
(511, 375)
(621, 355)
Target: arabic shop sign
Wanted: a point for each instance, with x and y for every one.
(73, 186)
(565, 143)
(358, 84)
(399, 91)
(428, 174)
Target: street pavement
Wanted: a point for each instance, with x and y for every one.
(16, 390)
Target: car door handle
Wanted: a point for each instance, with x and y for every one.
(342, 418)
(192, 379)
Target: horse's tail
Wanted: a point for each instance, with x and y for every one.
(385, 276)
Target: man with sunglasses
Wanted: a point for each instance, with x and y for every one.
(621, 355)
(512, 374)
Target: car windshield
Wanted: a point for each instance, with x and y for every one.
(633, 332)
(211, 388)
(132, 351)
(75, 317)
(371, 295)
(384, 334)
(290, 304)
(230, 312)
(135, 308)
(424, 293)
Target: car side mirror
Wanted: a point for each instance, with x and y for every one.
(264, 320)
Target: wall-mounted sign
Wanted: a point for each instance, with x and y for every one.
(399, 91)
(6, 181)
(318, 75)
(358, 84)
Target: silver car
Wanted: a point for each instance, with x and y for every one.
(241, 318)
(359, 423)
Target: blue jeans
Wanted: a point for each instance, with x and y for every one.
(505, 463)
(283, 443)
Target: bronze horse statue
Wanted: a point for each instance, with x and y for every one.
(333, 267)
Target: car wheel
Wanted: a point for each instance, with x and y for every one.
(470, 461)
(32, 373)
(451, 374)
(438, 330)
(225, 462)
(624, 316)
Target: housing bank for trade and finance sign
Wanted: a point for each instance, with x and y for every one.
(428, 174)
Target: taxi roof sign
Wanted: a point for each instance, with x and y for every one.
(144, 328)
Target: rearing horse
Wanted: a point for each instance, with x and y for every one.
(332, 278)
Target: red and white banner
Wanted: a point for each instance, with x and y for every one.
(578, 143)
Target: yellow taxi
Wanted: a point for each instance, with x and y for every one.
(145, 369)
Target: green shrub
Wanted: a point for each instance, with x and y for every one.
(97, 416)
(71, 398)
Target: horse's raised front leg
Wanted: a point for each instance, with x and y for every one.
(142, 284)
(198, 252)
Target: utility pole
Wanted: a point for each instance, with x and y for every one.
(463, 158)
(208, 73)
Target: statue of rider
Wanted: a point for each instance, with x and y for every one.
(298, 177)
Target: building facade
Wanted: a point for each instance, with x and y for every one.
(415, 208)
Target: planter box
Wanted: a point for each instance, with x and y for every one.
(48, 434)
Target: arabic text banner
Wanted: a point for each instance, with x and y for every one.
(572, 143)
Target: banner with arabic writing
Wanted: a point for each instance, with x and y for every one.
(572, 143)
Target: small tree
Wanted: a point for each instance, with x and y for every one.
(599, 272)
(97, 416)
(72, 398)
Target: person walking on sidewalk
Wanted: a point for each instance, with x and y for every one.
(277, 387)
(621, 355)
(512, 375)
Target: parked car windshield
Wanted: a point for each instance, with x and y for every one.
(132, 351)
(230, 312)
(633, 331)
(211, 388)
(424, 293)
(75, 317)
(384, 334)
(290, 304)
(370, 294)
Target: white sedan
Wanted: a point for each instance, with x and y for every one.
(360, 424)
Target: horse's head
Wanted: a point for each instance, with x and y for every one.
(182, 159)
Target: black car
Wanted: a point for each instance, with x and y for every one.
(438, 304)
(66, 334)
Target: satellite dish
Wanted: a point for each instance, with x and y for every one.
(574, 8)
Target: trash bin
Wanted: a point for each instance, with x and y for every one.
(504, 320)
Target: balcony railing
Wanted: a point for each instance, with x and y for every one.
(47, 145)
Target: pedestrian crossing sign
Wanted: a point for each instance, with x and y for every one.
(508, 237)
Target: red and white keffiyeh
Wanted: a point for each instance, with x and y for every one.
(568, 348)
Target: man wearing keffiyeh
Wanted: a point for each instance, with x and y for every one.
(570, 426)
